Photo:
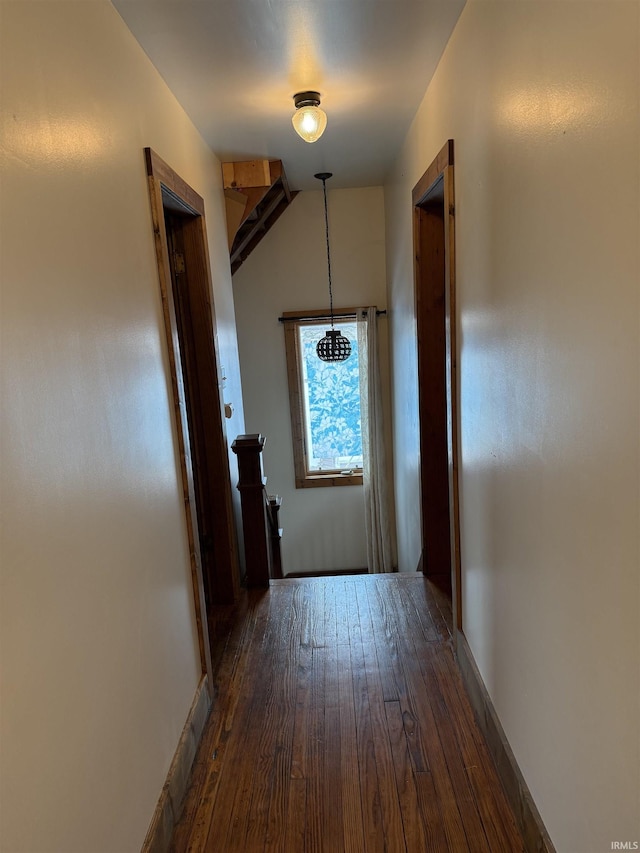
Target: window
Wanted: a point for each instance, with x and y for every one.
(325, 404)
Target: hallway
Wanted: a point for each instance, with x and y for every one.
(340, 724)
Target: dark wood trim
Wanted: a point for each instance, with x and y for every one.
(319, 314)
(535, 835)
(164, 174)
(251, 485)
(434, 225)
(179, 406)
(330, 573)
(443, 159)
(206, 413)
(451, 362)
(168, 192)
(288, 317)
(171, 802)
(208, 445)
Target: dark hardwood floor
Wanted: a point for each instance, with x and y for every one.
(341, 724)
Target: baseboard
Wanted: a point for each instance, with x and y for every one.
(329, 573)
(535, 836)
(171, 802)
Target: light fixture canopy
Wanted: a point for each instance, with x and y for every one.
(334, 346)
(309, 121)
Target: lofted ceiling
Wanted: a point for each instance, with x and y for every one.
(235, 65)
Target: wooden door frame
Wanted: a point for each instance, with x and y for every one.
(168, 191)
(441, 173)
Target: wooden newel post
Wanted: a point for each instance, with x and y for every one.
(251, 483)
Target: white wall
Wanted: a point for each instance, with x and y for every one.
(541, 99)
(99, 652)
(323, 527)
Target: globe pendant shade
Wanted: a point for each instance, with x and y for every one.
(309, 122)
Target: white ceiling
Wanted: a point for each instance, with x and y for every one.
(235, 65)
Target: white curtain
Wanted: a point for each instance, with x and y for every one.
(380, 556)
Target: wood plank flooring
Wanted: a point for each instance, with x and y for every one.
(341, 724)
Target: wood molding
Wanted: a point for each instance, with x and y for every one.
(443, 159)
(320, 313)
(452, 392)
(203, 441)
(156, 167)
(303, 478)
(435, 308)
(329, 573)
(535, 835)
(164, 174)
(256, 195)
(171, 801)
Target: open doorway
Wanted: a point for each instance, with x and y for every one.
(185, 284)
(434, 271)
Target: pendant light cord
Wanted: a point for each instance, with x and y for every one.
(333, 346)
(326, 226)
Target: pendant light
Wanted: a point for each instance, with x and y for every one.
(334, 346)
(309, 121)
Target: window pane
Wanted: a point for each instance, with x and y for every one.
(332, 403)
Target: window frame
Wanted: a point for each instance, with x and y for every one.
(304, 478)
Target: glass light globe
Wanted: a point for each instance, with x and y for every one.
(309, 122)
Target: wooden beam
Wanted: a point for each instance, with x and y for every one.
(235, 204)
(263, 186)
(258, 225)
(247, 174)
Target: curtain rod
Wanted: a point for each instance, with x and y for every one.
(336, 315)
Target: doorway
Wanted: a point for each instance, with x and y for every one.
(189, 318)
(434, 276)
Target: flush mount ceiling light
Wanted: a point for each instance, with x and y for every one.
(334, 346)
(309, 120)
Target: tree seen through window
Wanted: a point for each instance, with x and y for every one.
(331, 392)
